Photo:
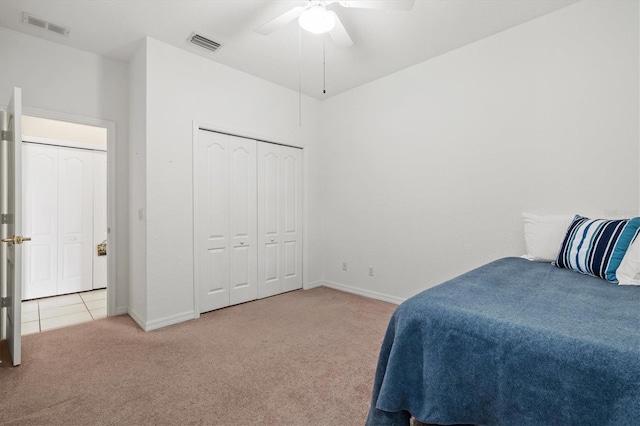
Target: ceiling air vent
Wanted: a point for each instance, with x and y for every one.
(204, 42)
(45, 25)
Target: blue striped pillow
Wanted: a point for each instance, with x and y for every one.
(597, 246)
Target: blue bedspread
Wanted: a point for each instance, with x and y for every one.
(513, 343)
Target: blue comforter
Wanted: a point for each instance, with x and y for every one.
(513, 343)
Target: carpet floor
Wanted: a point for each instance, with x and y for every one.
(300, 358)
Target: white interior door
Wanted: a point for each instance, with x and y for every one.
(225, 228)
(211, 227)
(75, 230)
(269, 225)
(12, 240)
(99, 218)
(279, 219)
(242, 220)
(291, 219)
(40, 199)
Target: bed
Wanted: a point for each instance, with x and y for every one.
(513, 343)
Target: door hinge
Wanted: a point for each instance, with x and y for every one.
(6, 218)
(5, 302)
(6, 135)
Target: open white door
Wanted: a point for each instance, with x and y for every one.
(12, 218)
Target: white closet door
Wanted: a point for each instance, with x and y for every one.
(269, 208)
(279, 219)
(243, 220)
(75, 230)
(40, 220)
(225, 225)
(211, 206)
(99, 218)
(291, 219)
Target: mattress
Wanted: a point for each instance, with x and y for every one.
(513, 342)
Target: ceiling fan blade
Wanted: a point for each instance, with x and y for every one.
(339, 34)
(280, 21)
(379, 4)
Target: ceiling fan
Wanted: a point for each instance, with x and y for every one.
(314, 17)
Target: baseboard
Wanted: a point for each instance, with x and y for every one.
(362, 292)
(167, 321)
(134, 316)
(121, 310)
(314, 285)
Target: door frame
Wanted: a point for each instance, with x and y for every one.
(112, 234)
(197, 126)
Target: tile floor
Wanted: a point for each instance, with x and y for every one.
(61, 311)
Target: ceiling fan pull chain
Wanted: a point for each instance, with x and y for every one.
(299, 76)
(324, 64)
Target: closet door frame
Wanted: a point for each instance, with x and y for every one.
(112, 195)
(197, 126)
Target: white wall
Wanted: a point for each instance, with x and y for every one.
(82, 134)
(428, 170)
(138, 184)
(183, 88)
(60, 79)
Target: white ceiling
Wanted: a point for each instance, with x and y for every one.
(385, 41)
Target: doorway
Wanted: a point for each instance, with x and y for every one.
(67, 198)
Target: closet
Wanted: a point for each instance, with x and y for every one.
(247, 219)
(65, 204)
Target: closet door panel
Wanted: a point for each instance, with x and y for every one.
(75, 210)
(40, 221)
(279, 219)
(216, 272)
(290, 268)
(211, 183)
(269, 223)
(242, 223)
(271, 175)
(99, 218)
(292, 218)
(290, 194)
(271, 263)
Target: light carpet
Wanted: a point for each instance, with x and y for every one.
(300, 358)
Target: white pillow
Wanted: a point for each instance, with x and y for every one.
(543, 235)
(628, 273)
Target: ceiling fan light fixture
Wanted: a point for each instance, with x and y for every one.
(317, 20)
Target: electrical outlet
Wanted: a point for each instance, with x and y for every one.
(370, 271)
(344, 266)
(637, 277)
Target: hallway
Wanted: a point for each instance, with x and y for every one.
(61, 311)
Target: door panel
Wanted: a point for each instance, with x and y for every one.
(271, 263)
(290, 195)
(292, 219)
(40, 198)
(242, 190)
(241, 184)
(216, 190)
(269, 208)
(12, 206)
(217, 275)
(241, 269)
(270, 192)
(75, 232)
(211, 220)
(290, 259)
(279, 219)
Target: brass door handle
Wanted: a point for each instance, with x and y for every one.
(16, 239)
